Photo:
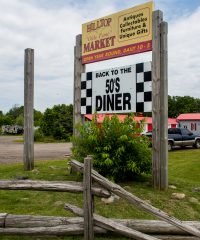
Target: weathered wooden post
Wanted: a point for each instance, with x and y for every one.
(157, 19)
(28, 109)
(88, 199)
(159, 102)
(164, 106)
(78, 69)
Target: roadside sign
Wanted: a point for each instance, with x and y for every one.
(117, 90)
(124, 33)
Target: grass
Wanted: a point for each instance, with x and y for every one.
(43, 140)
(184, 173)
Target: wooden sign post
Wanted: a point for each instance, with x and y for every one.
(78, 69)
(159, 102)
(28, 109)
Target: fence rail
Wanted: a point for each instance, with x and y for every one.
(55, 186)
(16, 224)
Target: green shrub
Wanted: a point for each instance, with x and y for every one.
(119, 150)
(38, 135)
(57, 122)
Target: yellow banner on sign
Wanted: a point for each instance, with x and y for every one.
(120, 34)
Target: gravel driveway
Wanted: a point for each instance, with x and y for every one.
(11, 151)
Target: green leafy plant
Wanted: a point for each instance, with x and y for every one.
(57, 122)
(38, 135)
(119, 150)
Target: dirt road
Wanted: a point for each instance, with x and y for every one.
(11, 151)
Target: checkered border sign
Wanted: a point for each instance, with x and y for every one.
(143, 89)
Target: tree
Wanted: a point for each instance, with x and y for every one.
(20, 120)
(185, 104)
(37, 117)
(5, 120)
(58, 122)
(172, 107)
(16, 113)
(197, 105)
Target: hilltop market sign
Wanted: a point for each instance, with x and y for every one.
(124, 33)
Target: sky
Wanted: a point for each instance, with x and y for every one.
(50, 28)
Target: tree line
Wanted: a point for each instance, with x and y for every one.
(15, 116)
(186, 104)
(57, 122)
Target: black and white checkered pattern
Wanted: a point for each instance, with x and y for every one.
(86, 93)
(143, 87)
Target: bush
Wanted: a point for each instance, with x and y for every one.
(57, 122)
(38, 135)
(119, 151)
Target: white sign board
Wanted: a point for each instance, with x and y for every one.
(117, 90)
(114, 90)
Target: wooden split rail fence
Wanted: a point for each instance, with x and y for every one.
(89, 223)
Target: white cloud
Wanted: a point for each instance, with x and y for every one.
(184, 58)
(52, 34)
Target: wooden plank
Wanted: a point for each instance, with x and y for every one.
(145, 226)
(29, 221)
(156, 227)
(28, 155)
(78, 69)
(58, 186)
(157, 19)
(119, 191)
(176, 237)
(87, 197)
(2, 219)
(74, 229)
(110, 225)
(163, 106)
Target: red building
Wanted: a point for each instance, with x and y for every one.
(191, 121)
(172, 123)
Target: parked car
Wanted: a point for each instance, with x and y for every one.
(180, 137)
